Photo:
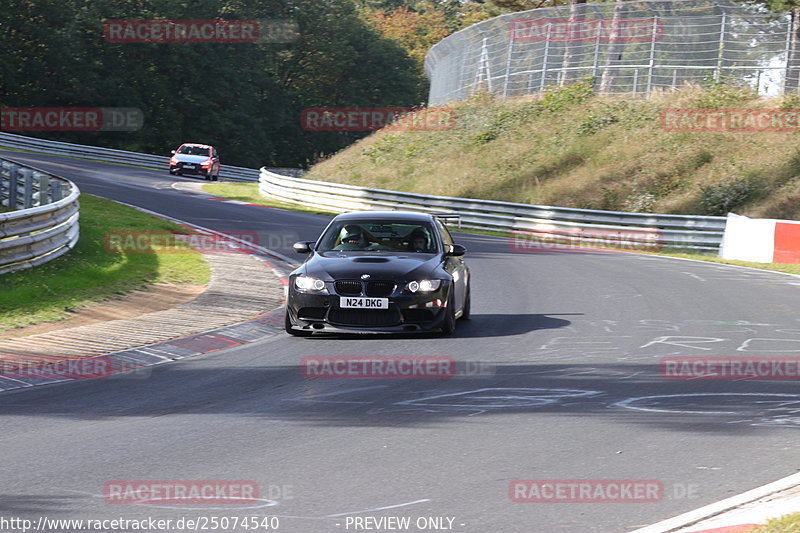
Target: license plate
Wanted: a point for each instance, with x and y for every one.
(363, 303)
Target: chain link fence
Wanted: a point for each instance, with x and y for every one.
(629, 47)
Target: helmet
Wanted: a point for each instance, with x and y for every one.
(351, 233)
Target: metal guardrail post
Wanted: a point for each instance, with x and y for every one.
(44, 190)
(27, 188)
(55, 190)
(13, 176)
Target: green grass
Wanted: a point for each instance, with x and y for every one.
(248, 192)
(777, 267)
(90, 273)
(789, 523)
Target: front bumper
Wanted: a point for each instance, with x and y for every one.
(196, 170)
(406, 313)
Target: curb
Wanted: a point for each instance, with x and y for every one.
(31, 370)
(691, 518)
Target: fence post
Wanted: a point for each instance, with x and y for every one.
(652, 57)
(544, 59)
(27, 188)
(791, 45)
(718, 71)
(596, 65)
(508, 66)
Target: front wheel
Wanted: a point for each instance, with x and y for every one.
(295, 332)
(449, 325)
(467, 306)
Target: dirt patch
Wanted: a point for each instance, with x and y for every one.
(158, 297)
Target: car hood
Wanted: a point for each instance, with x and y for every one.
(191, 158)
(349, 265)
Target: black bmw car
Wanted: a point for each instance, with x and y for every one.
(379, 271)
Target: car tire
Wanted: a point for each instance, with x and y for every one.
(295, 332)
(449, 324)
(467, 306)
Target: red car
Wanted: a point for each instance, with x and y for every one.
(198, 159)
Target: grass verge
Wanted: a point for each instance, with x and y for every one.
(789, 523)
(248, 192)
(90, 273)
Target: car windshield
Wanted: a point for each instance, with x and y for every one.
(379, 235)
(193, 150)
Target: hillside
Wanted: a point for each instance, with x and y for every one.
(573, 148)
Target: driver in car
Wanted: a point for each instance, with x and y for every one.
(419, 241)
(353, 239)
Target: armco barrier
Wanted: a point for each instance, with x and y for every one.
(43, 221)
(702, 233)
(109, 155)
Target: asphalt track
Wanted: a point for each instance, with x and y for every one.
(561, 382)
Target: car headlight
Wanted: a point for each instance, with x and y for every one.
(307, 283)
(425, 285)
(206, 163)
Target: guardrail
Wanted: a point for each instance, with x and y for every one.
(528, 224)
(43, 220)
(110, 155)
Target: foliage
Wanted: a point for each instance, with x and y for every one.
(790, 101)
(245, 99)
(414, 31)
(721, 94)
(722, 198)
(593, 124)
(789, 523)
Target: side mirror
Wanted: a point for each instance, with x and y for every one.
(455, 250)
(303, 247)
